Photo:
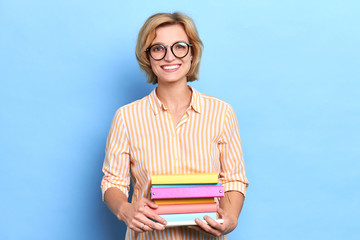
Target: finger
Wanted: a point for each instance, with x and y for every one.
(150, 203)
(141, 217)
(137, 227)
(156, 218)
(143, 227)
(198, 228)
(207, 228)
(146, 211)
(214, 224)
(221, 213)
(151, 214)
(146, 228)
(154, 226)
(150, 225)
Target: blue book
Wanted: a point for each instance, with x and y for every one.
(186, 219)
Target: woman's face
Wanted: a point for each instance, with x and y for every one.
(171, 69)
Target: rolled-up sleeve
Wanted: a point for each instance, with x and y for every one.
(117, 159)
(232, 174)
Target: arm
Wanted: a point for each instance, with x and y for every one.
(233, 178)
(231, 204)
(116, 181)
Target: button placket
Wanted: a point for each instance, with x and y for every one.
(176, 147)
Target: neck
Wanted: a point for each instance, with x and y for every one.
(174, 95)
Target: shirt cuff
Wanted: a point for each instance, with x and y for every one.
(236, 186)
(106, 185)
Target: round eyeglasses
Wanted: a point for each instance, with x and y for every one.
(158, 51)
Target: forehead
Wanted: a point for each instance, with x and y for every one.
(170, 34)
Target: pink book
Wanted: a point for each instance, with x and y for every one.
(187, 192)
(186, 208)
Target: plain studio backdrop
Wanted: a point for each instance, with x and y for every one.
(290, 69)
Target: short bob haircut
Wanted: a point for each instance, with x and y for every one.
(147, 34)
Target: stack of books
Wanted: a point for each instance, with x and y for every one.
(184, 197)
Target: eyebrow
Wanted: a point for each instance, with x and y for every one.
(169, 44)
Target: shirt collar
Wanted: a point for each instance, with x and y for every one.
(195, 100)
(157, 105)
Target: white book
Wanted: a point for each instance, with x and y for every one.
(187, 223)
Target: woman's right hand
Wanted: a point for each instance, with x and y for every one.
(139, 217)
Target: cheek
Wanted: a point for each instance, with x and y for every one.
(189, 61)
(154, 65)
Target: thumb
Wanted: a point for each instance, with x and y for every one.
(221, 212)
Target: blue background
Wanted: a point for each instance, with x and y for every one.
(290, 69)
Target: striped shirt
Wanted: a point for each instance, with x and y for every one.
(144, 141)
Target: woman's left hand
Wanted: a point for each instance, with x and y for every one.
(213, 228)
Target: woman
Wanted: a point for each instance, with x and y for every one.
(174, 130)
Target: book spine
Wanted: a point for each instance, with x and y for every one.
(187, 216)
(198, 178)
(188, 223)
(187, 192)
(186, 208)
(183, 201)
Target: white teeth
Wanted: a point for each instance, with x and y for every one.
(171, 67)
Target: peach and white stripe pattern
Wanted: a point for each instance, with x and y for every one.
(144, 141)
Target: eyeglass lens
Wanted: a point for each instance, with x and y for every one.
(179, 49)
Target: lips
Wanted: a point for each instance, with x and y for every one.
(172, 67)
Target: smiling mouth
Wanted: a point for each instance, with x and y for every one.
(170, 67)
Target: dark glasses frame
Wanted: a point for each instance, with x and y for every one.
(171, 48)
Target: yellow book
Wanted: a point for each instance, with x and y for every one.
(192, 178)
(183, 201)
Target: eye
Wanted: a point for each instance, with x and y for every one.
(157, 48)
(181, 45)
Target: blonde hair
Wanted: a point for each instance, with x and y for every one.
(148, 33)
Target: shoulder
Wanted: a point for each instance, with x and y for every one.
(133, 106)
(221, 108)
(208, 100)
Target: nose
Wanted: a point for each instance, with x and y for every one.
(169, 57)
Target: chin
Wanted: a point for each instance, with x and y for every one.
(171, 80)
